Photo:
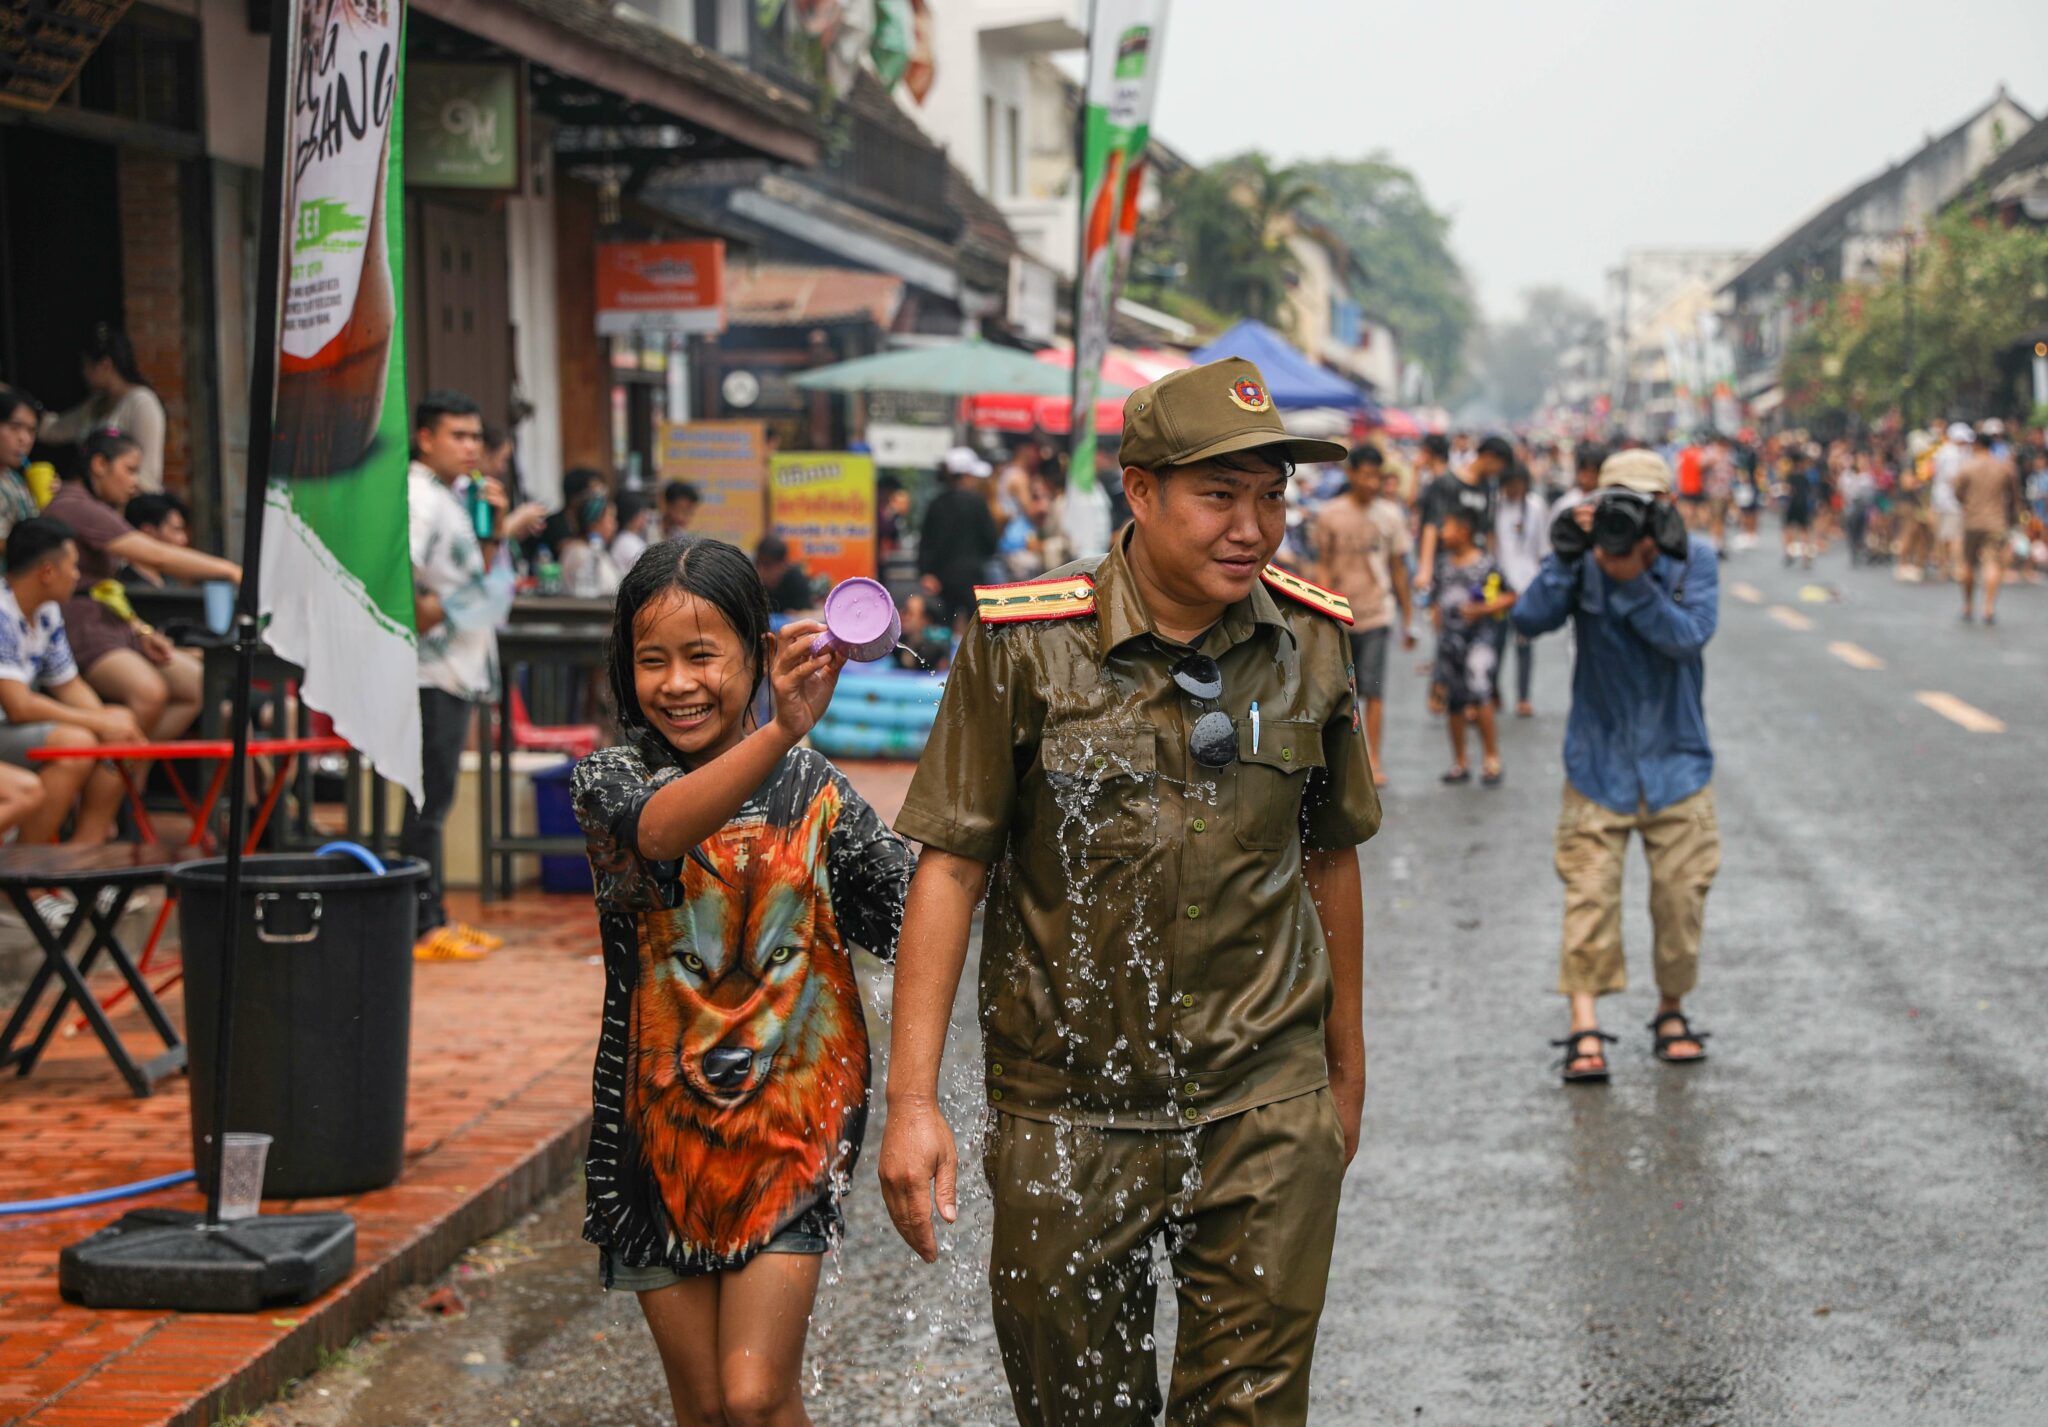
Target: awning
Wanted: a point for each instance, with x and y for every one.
(626, 90)
(1018, 415)
(795, 294)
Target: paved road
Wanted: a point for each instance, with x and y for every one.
(1841, 1219)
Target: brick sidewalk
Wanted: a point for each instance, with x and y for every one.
(496, 1115)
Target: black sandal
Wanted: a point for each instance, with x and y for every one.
(1685, 1033)
(1457, 775)
(1570, 1045)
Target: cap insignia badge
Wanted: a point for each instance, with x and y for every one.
(1250, 395)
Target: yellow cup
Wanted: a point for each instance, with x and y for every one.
(42, 482)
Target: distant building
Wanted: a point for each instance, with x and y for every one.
(1666, 356)
(1773, 295)
(2015, 184)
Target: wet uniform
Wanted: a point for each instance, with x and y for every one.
(1154, 983)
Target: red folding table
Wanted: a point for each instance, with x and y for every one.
(170, 754)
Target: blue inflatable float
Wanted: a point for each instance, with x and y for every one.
(879, 712)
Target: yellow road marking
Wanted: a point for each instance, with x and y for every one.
(1748, 594)
(1790, 618)
(1855, 655)
(1956, 711)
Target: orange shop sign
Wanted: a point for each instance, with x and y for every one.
(660, 287)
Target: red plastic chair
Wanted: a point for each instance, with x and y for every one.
(578, 740)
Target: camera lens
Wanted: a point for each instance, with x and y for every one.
(1618, 524)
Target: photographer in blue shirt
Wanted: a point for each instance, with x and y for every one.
(1644, 597)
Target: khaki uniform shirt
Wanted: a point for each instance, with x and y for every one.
(1150, 954)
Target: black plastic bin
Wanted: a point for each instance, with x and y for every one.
(323, 1014)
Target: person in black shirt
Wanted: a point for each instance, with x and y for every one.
(789, 588)
(958, 537)
(1473, 491)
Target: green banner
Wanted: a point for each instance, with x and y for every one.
(337, 565)
(1124, 44)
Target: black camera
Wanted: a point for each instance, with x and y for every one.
(1621, 518)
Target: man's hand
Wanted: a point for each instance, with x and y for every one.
(527, 520)
(1407, 637)
(1583, 514)
(1623, 568)
(157, 648)
(114, 724)
(918, 1158)
(1347, 1092)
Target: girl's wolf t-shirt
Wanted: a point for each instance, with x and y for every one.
(731, 1082)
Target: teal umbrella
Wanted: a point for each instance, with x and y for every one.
(972, 368)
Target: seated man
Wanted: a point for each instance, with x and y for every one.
(162, 517)
(43, 701)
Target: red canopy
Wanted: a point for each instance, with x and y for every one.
(1054, 414)
(1399, 424)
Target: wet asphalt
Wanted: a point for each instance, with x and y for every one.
(1841, 1218)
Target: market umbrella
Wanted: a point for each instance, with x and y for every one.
(1117, 369)
(955, 369)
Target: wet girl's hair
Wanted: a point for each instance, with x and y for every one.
(719, 574)
(110, 344)
(110, 443)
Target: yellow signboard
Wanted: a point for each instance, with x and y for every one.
(823, 504)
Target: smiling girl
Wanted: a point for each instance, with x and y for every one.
(732, 870)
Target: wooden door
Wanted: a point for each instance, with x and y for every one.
(460, 329)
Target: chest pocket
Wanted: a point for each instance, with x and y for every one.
(1105, 791)
(1270, 781)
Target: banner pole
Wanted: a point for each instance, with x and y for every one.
(1076, 473)
(262, 404)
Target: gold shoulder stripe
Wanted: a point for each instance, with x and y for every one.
(1317, 598)
(1035, 599)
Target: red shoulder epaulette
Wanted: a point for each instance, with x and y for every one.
(1317, 598)
(1062, 598)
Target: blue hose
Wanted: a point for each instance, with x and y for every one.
(94, 1196)
(356, 850)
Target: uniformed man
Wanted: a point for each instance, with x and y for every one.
(1151, 761)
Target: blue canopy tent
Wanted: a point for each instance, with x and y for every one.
(1292, 379)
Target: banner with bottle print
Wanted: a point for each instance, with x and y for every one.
(337, 563)
(1124, 44)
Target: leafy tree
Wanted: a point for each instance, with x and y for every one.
(1416, 283)
(1217, 238)
(1977, 287)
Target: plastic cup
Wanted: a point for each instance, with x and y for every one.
(861, 618)
(42, 482)
(220, 605)
(241, 1174)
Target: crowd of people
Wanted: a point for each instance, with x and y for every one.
(79, 668)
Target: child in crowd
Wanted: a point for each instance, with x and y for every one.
(732, 870)
(1474, 599)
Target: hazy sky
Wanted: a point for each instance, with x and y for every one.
(1559, 134)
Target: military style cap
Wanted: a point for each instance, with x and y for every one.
(1209, 411)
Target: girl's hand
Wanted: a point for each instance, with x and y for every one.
(803, 681)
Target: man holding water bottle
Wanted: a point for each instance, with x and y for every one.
(458, 523)
(1152, 762)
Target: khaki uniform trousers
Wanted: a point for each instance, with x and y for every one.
(1683, 845)
(1248, 1208)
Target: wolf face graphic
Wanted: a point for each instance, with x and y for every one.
(750, 1073)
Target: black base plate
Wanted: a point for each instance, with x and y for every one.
(168, 1258)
